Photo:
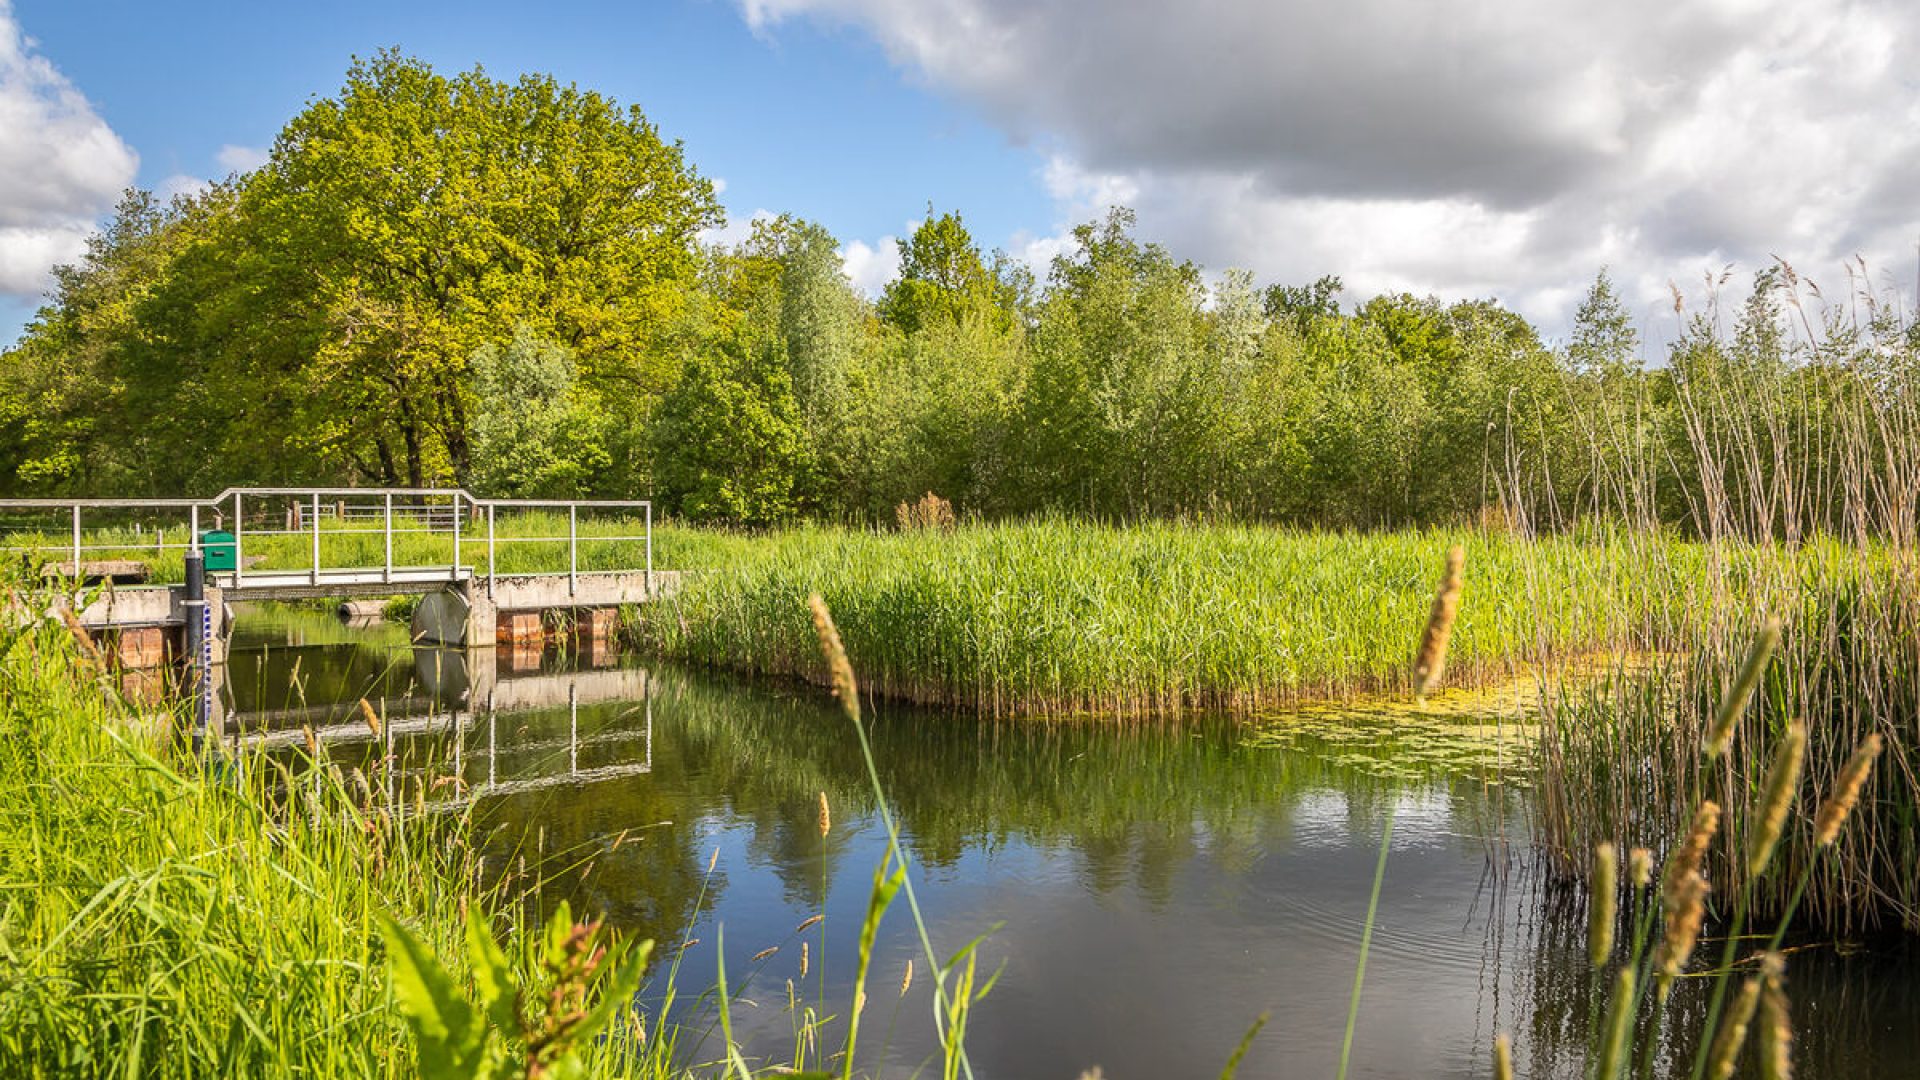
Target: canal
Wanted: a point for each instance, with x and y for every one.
(1146, 890)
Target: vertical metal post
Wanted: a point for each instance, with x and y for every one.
(573, 728)
(76, 543)
(239, 557)
(489, 551)
(649, 550)
(386, 532)
(193, 528)
(456, 538)
(316, 538)
(199, 645)
(573, 549)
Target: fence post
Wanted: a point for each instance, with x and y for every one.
(76, 543)
(573, 548)
(316, 538)
(386, 533)
(649, 550)
(455, 575)
(489, 551)
(239, 556)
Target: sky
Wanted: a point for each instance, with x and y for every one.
(1503, 149)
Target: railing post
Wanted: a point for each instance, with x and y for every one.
(239, 557)
(573, 548)
(456, 538)
(76, 543)
(489, 551)
(316, 538)
(193, 528)
(386, 532)
(649, 550)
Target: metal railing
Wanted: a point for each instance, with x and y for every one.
(400, 512)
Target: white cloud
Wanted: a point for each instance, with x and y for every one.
(60, 164)
(240, 159)
(736, 230)
(871, 267)
(1494, 147)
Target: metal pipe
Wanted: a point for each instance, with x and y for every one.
(489, 551)
(573, 549)
(649, 551)
(386, 529)
(76, 544)
(456, 538)
(193, 529)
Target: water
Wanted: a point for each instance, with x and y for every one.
(1146, 889)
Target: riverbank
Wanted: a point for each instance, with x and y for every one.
(165, 916)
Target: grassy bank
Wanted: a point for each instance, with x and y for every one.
(1066, 616)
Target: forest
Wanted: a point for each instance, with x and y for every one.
(509, 286)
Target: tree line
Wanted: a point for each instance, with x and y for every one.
(504, 285)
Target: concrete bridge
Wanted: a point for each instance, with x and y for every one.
(487, 570)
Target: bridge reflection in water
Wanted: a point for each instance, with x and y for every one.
(461, 724)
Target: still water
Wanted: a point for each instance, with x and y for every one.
(1147, 889)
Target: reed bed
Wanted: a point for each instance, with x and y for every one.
(1791, 450)
(1065, 616)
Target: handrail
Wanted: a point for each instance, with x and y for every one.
(310, 498)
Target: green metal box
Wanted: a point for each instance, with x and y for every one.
(216, 546)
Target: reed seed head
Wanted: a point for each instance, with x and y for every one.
(1720, 736)
(906, 978)
(803, 959)
(1776, 1027)
(1503, 1057)
(372, 718)
(1846, 792)
(811, 921)
(826, 817)
(1783, 780)
(1431, 662)
(836, 654)
(1687, 858)
(1601, 912)
(763, 954)
(1686, 911)
(1733, 1031)
(1640, 867)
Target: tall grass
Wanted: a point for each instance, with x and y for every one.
(1795, 460)
(1068, 616)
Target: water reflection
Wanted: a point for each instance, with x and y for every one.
(1150, 888)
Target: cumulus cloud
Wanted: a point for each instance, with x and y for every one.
(60, 164)
(1494, 147)
(240, 159)
(871, 266)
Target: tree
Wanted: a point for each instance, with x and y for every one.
(414, 218)
(533, 434)
(1604, 339)
(728, 443)
(944, 281)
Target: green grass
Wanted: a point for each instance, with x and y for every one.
(1069, 616)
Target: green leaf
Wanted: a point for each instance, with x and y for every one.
(558, 929)
(493, 977)
(450, 1042)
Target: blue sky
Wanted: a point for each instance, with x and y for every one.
(803, 118)
(1503, 149)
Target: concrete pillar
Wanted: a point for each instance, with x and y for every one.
(482, 616)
